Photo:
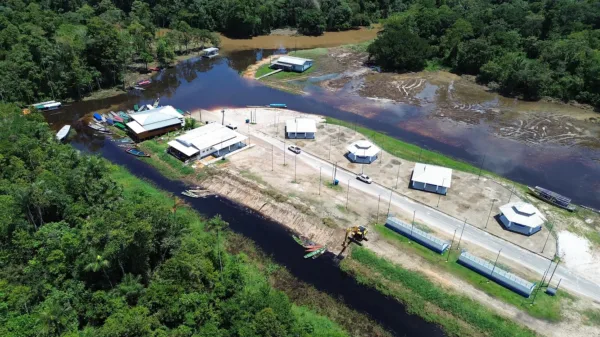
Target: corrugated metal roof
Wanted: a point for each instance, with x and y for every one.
(418, 235)
(212, 135)
(432, 175)
(499, 275)
(301, 125)
(298, 61)
(135, 127)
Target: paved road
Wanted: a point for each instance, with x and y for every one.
(432, 217)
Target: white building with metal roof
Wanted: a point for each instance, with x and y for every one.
(362, 151)
(431, 178)
(521, 217)
(300, 128)
(153, 122)
(210, 139)
(292, 63)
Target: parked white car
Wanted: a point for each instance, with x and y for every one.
(294, 149)
(364, 178)
(231, 126)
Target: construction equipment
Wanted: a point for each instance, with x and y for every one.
(355, 234)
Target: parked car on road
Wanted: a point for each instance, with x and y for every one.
(364, 178)
(231, 126)
(294, 149)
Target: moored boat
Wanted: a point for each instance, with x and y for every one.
(97, 117)
(144, 82)
(124, 115)
(137, 153)
(115, 117)
(316, 252)
(552, 198)
(98, 128)
(125, 140)
(190, 194)
(119, 125)
(49, 105)
(63, 132)
(278, 105)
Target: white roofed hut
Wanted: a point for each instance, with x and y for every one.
(362, 151)
(431, 178)
(292, 63)
(521, 217)
(305, 128)
(210, 139)
(154, 122)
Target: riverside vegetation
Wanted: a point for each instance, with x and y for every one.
(87, 249)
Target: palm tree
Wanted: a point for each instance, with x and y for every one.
(99, 264)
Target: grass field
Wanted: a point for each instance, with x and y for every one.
(429, 301)
(165, 163)
(545, 307)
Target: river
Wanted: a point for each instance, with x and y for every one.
(210, 83)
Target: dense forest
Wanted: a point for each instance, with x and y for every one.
(66, 49)
(83, 255)
(529, 49)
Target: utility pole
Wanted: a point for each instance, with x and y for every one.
(461, 234)
(390, 203)
(497, 257)
(511, 193)
(295, 167)
(378, 201)
(451, 244)
(547, 238)
(330, 148)
(420, 152)
(413, 223)
(551, 276)
(223, 118)
(489, 214)
(440, 197)
(481, 167)
(272, 157)
(320, 180)
(348, 194)
(397, 176)
(284, 153)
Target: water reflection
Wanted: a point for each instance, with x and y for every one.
(208, 83)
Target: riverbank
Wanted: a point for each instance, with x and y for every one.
(449, 97)
(294, 202)
(327, 316)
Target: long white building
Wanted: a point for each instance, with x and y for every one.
(431, 178)
(210, 139)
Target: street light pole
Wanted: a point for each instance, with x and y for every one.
(390, 203)
(451, 244)
(320, 180)
(489, 214)
(378, 201)
(547, 238)
(272, 157)
(295, 167)
(481, 167)
(397, 176)
(348, 194)
(440, 197)
(461, 234)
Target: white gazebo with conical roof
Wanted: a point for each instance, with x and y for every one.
(362, 151)
(521, 217)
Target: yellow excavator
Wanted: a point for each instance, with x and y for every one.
(355, 234)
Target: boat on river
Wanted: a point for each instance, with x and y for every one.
(119, 125)
(552, 198)
(98, 127)
(63, 132)
(190, 194)
(137, 153)
(116, 117)
(315, 253)
(97, 117)
(144, 82)
(278, 105)
(124, 115)
(48, 105)
(125, 140)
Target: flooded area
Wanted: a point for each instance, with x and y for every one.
(546, 144)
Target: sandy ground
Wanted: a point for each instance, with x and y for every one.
(321, 212)
(578, 255)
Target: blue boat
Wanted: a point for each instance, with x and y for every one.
(97, 117)
(278, 105)
(109, 121)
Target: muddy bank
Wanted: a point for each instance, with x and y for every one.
(284, 41)
(276, 206)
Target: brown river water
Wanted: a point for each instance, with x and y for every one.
(571, 168)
